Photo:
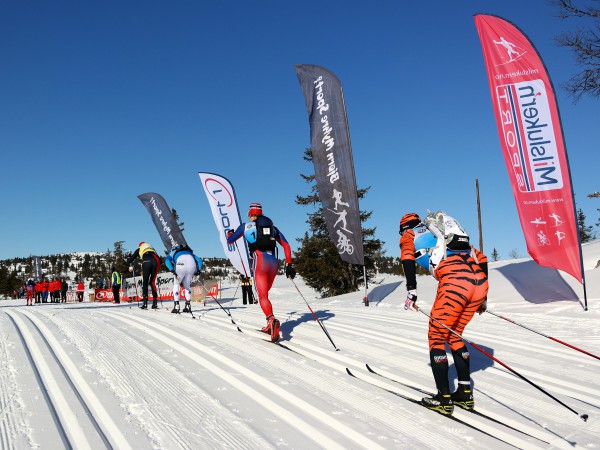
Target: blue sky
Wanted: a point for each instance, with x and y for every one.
(102, 101)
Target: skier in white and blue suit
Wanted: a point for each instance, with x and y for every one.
(184, 264)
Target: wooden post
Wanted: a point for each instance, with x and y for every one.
(479, 216)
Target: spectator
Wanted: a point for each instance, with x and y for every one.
(52, 289)
(64, 287)
(44, 288)
(80, 289)
(30, 292)
(38, 292)
(247, 297)
(116, 284)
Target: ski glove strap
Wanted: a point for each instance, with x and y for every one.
(411, 299)
(290, 272)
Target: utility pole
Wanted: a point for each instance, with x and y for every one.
(479, 216)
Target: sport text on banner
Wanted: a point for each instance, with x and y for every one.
(332, 159)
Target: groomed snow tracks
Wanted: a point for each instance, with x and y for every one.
(81, 420)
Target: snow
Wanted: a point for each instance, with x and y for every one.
(97, 375)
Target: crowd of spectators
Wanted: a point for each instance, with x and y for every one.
(53, 290)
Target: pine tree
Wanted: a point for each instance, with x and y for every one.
(118, 260)
(495, 255)
(317, 260)
(86, 266)
(586, 233)
(176, 217)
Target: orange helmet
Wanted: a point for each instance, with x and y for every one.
(409, 220)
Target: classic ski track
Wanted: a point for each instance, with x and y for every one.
(70, 415)
(274, 407)
(12, 422)
(310, 332)
(325, 357)
(170, 434)
(558, 385)
(345, 393)
(338, 389)
(546, 433)
(110, 430)
(537, 432)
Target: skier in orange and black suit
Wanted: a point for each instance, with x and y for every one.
(462, 291)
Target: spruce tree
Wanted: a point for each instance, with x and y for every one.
(495, 255)
(119, 258)
(586, 233)
(317, 260)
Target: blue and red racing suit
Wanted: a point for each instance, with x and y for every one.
(264, 263)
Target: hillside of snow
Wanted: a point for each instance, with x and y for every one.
(99, 375)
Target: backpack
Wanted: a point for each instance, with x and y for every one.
(448, 228)
(264, 235)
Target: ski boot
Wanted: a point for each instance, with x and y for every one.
(463, 397)
(441, 403)
(175, 309)
(275, 330)
(267, 327)
(144, 304)
(272, 328)
(154, 304)
(187, 308)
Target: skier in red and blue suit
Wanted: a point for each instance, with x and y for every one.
(262, 236)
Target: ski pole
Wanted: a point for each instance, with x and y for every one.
(190, 309)
(236, 289)
(226, 312)
(584, 417)
(315, 316)
(135, 284)
(542, 334)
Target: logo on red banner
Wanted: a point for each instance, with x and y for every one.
(529, 135)
(214, 291)
(103, 295)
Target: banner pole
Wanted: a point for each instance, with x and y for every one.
(366, 298)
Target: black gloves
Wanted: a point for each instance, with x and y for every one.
(483, 307)
(290, 272)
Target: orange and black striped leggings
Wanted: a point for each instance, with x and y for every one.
(462, 288)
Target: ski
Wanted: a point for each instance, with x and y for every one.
(418, 402)
(423, 391)
(264, 336)
(471, 411)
